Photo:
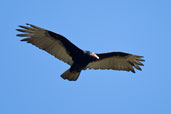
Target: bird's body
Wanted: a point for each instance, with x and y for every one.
(82, 61)
(78, 59)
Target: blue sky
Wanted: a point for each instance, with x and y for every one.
(30, 78)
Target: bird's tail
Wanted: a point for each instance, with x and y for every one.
(71, 76)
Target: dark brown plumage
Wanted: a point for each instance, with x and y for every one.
(60, 47)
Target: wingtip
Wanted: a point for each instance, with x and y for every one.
(28, 24)
(140, 56)
(141, 64)
(140, 59)
(26, 39)
(133, 71)
(19, 25)
(22, 25)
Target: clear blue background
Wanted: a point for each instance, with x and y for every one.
(30, 80)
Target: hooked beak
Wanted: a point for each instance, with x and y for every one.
(94, 55)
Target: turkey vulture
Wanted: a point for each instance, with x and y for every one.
(60, 47)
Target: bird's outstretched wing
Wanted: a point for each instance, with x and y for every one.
(117, 61)
(55, 44)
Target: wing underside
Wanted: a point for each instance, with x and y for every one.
(117, 61)
(43, 40)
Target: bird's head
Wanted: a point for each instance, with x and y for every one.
(92, 54)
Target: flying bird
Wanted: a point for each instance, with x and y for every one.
(64, 50)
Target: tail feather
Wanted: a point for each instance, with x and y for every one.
(71, 76)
